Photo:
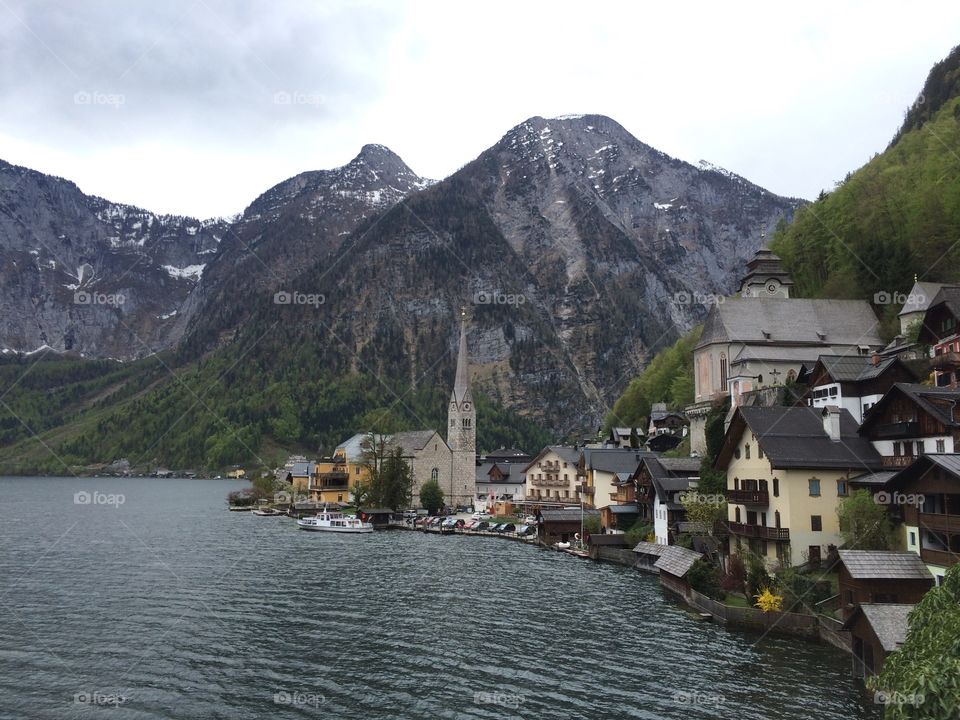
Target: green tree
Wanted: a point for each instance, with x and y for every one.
(431, 496)
(634, 439)
(704, 577)
(395, 481)
(926, 668)
(865, 524)
(705, 510)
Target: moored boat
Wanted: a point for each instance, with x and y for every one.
(332, 521)
(267, 512)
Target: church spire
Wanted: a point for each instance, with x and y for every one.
(461, 385)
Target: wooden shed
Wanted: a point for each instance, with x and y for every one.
(881, 576)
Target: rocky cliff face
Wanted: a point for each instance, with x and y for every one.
(79, 273)
(579, 250)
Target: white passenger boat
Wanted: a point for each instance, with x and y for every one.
(331, 521)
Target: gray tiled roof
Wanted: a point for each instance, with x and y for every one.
(794, 437)
(920, 297)
(615, 460)
(411, 440)
(888, 620)
(874, 478)
(854, 368)
(793, 320)
(627, 509)
(677, 465)
(564, 515)
(933, 400)
(649, 548)
(884, 564)
(677, 560)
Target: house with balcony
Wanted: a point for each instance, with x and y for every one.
(911, 420)
(854, 382)
(787, 470)
(299, 472)
(927, 493)
(941, 329)
(659, 483)
(330, 479)
(601, 469)
(551, 477)
(623, 512)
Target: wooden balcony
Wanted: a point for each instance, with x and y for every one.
(760, 532)
(759, 498)
(946, 361)
(943, 558)
(939, 522)
(897, 461)
(906, 429)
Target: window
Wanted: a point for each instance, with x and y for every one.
(736, 513)
(841, 488)
(340, 498)
(941, 446)
(776, 487)
(814, 487)
(435, 474)
(759, 451)
(453, 422)
(897, 448)
(736, 453)
(816, 523)
(466, 422)
(920, 449)
(746, 451)
(776, 519)
(723, 371)
(913, 539)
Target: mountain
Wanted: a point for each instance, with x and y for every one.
(330, 305)
(578, 249)
(79, 273)
(896, 217)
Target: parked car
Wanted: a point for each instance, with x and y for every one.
(507, 528)
(480, 516)
(530, 520)
(482, 525)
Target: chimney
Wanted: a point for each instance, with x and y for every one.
(875, 360)
(831, 421)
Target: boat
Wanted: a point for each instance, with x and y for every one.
(267, 512)
(333, 521)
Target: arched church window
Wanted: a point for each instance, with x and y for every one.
(435, 474)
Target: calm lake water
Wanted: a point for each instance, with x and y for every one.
(145, 598)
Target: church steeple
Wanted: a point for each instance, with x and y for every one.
(461, 383)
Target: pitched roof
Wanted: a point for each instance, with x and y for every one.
(461, 383)
(649, 548)
(566, 453)
(794, 437)
(303, 468)
(950, 463)
(888, 620)
(855, 368)
(884, 564)
(921, 296)
(677, 465)
(508, 455)
(933, 400)
(627, 509)
(411, 440)
(565, 515)
(615, 460)
(791, 321)
(677, 560)
(874, 478)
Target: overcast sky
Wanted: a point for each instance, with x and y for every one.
(198, 107)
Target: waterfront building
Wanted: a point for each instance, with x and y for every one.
(499, 481)
(563, 525)
(787, 470)
(674, 563)
(880, 576)
(876, 630)
(552, 476)
(660, 482)
(600, 469)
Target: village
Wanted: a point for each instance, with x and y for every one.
(812, 488)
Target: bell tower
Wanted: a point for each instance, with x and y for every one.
(462, 428)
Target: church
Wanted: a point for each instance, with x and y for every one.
(452, 461)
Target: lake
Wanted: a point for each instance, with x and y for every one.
(146, 598)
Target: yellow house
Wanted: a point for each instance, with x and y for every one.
(787, 470)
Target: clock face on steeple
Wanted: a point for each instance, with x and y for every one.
(466, 407)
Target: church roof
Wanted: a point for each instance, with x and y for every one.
(411, 440)
(921, 297)
(791, 321)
